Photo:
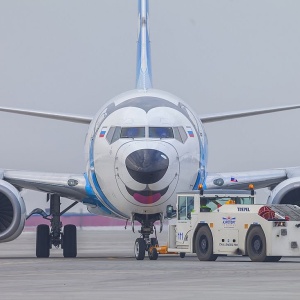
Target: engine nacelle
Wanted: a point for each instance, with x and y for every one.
(287, 192)
(12, 212)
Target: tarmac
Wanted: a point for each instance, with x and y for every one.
(106, 269)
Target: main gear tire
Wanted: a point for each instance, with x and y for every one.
(69, 241)
(42, 241)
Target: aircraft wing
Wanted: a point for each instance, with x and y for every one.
(70, 186)
(241, 180)
(204, 118)
(48, 115)
(244, 113)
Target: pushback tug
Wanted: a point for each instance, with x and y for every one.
(214, 223)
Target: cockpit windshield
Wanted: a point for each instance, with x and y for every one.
(114, 133)
(133, 132)
(161, 132)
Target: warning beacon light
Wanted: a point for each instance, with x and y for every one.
(200, 188)
(251, 187)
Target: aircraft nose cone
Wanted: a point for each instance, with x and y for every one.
(147, 165)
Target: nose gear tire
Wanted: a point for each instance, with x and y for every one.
(152, 254)
(139, 249)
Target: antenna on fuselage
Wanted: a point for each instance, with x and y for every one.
(143, 67)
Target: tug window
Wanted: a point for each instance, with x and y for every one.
(161, 132)
(185, 207)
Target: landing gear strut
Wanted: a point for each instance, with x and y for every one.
(45, 237)
(145, 243)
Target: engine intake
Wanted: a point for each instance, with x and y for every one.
(12, 212)
(287, 192)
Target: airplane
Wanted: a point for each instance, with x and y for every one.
(142, 147)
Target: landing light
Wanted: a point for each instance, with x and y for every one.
(72, 182)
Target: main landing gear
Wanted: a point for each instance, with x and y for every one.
(48, 236)
(144, 243)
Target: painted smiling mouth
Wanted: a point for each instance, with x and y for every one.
(147, 196)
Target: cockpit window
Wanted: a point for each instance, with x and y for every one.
(113, 134)
(116, 132)
(133, 132)
(161, 132)
(180, 134)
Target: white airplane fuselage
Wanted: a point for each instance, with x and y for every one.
(143, 147)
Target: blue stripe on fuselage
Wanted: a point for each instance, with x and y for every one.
(97, 186)
(201, 177)
(92, 198)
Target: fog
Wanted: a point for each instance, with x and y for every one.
(72, 56)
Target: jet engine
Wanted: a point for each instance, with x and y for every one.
(12, 212)
(287, 192)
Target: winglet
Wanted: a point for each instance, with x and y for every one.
(143, 68)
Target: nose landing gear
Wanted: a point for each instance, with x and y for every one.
(145, 243)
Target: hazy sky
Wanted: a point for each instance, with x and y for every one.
(73, 56)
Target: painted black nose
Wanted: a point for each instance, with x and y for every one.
(147, 165)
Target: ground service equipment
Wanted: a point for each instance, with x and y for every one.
(215, 223)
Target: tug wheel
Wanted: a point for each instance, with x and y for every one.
(256, 244)
(204, 244)
(273, 258)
